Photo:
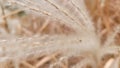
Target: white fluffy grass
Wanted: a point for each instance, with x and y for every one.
(72, 13)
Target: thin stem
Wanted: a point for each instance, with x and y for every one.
(5, 19)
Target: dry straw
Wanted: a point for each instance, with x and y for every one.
(80, 48)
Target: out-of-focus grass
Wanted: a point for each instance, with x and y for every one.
(58, 45)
